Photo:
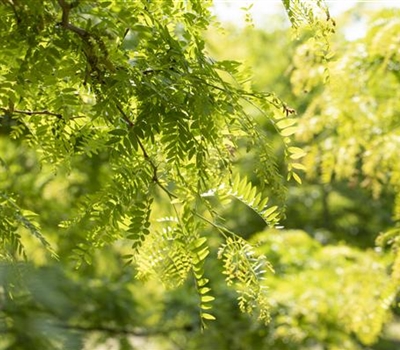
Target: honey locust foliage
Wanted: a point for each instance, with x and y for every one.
(312, 24)
(339, 294)
(130, 83)
(336, 288)
(352, 128)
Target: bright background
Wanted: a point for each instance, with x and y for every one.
(231, 10)
(265, 12)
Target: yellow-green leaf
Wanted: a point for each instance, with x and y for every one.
(285, 123)
(297, 178)
(204, 290)
(289, 131)
(298, 166)
(207, 316)
(296, 152)
(199, 242)
(269, 211)
(207, 298)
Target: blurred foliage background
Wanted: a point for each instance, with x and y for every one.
(332, 286)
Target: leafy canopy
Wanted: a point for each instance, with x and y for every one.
(122, 101)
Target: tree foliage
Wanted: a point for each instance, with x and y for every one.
(131, 157)
(359, 143)
(342, 212)
(131, 129)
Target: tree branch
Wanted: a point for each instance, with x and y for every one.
(123, 331)
(66, 8)
(95, 58)
(145, 154)
(93, 62)
(13, 6)
(45, 112)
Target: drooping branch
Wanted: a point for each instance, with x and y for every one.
(145, 154)
(94, 64)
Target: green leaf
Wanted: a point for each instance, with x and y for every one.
(207, 298)
(204, 290)
(297, 178)
(207, 316)
(285, 123)
(289, 131)
(118, 132)
(298, 166)
(296, 152)
(270, 210)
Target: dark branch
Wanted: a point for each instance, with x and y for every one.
(13, 6)
(124, 116)
(31, 112)
(123, 331)
(66, 8)
(93, 58)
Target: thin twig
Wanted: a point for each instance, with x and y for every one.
(220, 228)
(145, 154)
